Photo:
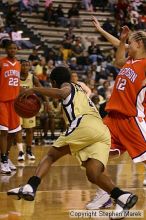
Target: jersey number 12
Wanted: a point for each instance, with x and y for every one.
(121, 84)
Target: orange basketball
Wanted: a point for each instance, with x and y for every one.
(27, 107)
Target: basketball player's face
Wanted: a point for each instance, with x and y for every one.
(132, 49)
(74, 77)
(12, 50)
(53, 83)
(25, 66)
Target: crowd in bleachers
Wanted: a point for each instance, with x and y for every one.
(82, 54)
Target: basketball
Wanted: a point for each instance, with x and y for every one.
(27, 107)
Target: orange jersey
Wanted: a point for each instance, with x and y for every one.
(129, 93)
(9, 79)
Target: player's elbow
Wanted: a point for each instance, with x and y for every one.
(119, 63)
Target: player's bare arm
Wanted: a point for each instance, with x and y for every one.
(61, 93)
(113, 40)
(121, 51)
(36, 82)
(46, 100)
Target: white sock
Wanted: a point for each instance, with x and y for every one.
(20, 146)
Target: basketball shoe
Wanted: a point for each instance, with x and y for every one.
(101, 200)
(25, 192)
(11, 165)
(30, 155)
(123, 204)
(21, 156)
(5, 169)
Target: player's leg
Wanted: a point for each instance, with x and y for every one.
(5, 169)
(135, 129)
(19, 143)
(3, 137)
(10, 142)
(29, 138)
(28, 191)
(14, 127)
(102, 198)
(29, 124)
(94, 171)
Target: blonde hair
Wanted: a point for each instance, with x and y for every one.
(139, 35)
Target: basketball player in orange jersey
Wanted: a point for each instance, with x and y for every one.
(127, 106)
(9, 87)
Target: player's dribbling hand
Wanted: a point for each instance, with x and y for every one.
(26, 93)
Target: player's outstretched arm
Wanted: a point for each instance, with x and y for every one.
(113, 40)
(61, 93)
(120, 58)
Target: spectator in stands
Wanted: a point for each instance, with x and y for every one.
(4, 37)
(43, 77)
(65, 49)
(61, 19)
(83, 63)
(70, 34)
(107, 26)
(73, 63)
(121, 11)
(50, 53)
(50, 66)
(142, 21)
(100, 3)
(56, 117)
(11, 18)
(134, 18)
(50, 14)
(52, 119)
(111, 5)
(77, 48)
(25, 5)
(39, 67)
(136, 4)
(94, 52)
(35, 5)
(21, 42)
(34, 57)
(48, 3)
(74, 17)
(87, 4)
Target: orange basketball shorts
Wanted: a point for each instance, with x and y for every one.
(9, 120)
(128, 134)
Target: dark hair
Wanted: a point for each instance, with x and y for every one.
(24, 61)
(60, 75)
(9, 43)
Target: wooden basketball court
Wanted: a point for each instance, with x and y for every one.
(64, 188)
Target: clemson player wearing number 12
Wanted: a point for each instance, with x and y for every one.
(127, 105)
(9, 86)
